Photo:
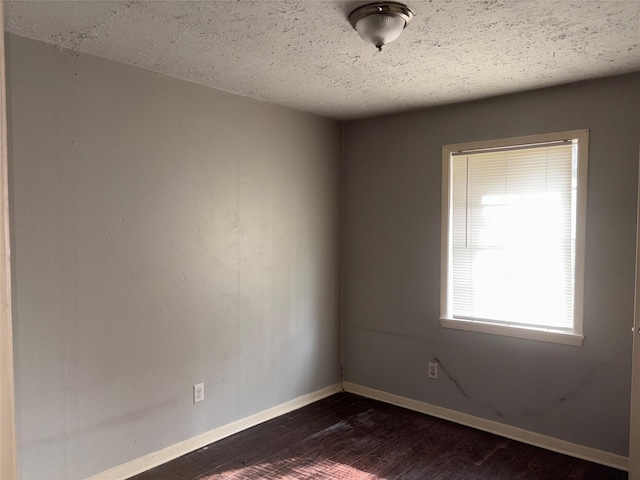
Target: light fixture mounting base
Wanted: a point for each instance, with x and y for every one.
(381, 8)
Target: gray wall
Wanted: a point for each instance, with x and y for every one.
(164, 234)
(392, 267)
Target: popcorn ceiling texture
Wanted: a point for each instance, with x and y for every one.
(305, 55)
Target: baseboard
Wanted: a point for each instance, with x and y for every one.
(154, 459)
(514, 433)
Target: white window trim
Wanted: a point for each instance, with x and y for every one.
(575, 337)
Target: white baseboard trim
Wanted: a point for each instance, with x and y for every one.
(154, 459)
(514, 433)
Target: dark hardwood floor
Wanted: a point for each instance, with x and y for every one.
(353, 438)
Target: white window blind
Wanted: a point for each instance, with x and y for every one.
(512, 235)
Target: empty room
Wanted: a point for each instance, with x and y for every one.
(299, 239)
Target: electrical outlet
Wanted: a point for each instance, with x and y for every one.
(198, 393)
(433, 370)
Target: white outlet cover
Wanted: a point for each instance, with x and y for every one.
(433, 370)
(198, 393)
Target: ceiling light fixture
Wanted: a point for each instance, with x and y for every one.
(380, 23)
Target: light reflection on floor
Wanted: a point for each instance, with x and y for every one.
(296, 470)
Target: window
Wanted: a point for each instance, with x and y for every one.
(513, 223)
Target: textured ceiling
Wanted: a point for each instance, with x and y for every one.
(304, 53)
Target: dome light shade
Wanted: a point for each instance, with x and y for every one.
(380, 23)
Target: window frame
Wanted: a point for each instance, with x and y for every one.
(572, 337)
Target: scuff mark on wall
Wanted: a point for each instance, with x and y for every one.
(570, 395)
(389, 332)
(464, 393)
(549, 405)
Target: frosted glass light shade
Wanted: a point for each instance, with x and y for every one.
(380, 29)
(380, 23)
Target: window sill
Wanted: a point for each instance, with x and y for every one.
(529, 333)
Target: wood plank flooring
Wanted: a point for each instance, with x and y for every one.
(348, 437)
